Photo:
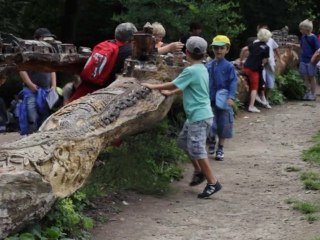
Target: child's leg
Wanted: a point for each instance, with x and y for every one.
(254, 84)
(198, 176)
(213, 185)
(253, 95)
(307, 83)
(313, 84)
(207, 171)
(211, 140)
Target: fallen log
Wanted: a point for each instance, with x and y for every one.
(55, 161)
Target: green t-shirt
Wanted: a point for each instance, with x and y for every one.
(194, 83)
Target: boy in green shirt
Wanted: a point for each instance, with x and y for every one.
(194, 83)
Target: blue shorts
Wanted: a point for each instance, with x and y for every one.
(307, 69)
(268, 77)
(193, 136)
(223, 123)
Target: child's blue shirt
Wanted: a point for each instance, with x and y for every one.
(222, 75)
(309, 44)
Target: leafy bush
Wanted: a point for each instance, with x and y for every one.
(64, 220)
(290, 84)
(276, 97)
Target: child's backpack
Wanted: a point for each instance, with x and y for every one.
(101, 62)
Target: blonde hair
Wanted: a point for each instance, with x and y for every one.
(264, 35)
(158, 29)
(307, 25)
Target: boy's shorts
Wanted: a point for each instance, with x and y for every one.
(307, 69)
(253, 77)
(268, 77)
(193, 136)
(222, 123)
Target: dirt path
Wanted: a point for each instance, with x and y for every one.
(251, 205)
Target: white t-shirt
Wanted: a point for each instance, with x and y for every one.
(272, 46)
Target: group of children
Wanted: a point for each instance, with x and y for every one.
(200, 85)
(204, 87)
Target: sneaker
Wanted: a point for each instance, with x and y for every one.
(253, 109)
(219, 155)
(211, 142)
(306, 96)
(209, 190)
(267, 106)
(197, 178)
(312, 97)
(211, 147)
(258, 99)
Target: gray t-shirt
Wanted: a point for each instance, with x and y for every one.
(41, 79)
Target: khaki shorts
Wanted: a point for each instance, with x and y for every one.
(193, 136)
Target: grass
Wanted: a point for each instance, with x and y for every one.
(310, 209)
(146, 163)
(313, 154)
(311, 180)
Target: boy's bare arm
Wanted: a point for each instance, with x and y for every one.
(244, 54)
(316, 57)
(163, 86)
(171, 92)
(53, 80)
(25, 78)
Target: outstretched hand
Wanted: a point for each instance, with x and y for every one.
(148, 85)
(176, 46)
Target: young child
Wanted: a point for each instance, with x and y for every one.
(309, 45)
(222, 75)
(268, 72)
(258, 57)
(194, 83)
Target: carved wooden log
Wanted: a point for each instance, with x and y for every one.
(61, 155)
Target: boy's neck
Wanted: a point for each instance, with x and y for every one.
(218, 59)
(195, 61)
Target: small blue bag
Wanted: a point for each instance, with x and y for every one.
(222, 99)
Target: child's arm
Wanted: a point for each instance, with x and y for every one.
(163, 86)
(53, 80)
(168, 92)
(243, 54)
(316, 57)
(171, 47)
(27, 81)
(233, 86)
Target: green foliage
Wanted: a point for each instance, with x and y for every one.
(216, 16)
(237, 106)
(276, 97)
(310, 209)
(311, 180)
(64, 220)
(149, 168)
(306, 207)
(291, 84)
